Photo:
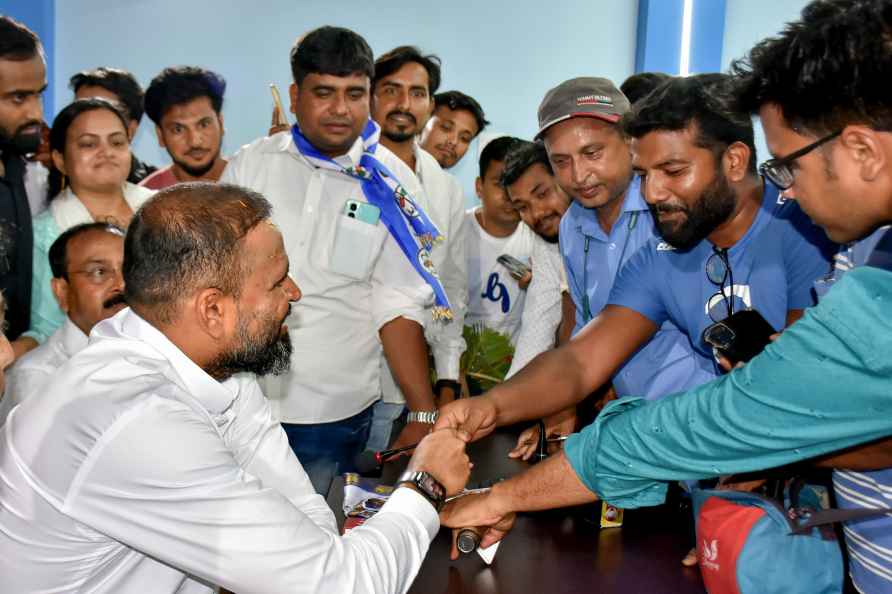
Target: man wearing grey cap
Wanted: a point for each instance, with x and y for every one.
(606, 224)
(729, 242)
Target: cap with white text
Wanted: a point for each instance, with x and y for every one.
(582, 97)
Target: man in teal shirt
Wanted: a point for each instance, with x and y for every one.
(824, 384)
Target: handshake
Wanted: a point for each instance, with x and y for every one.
(442, 455)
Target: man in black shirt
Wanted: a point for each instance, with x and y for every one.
(22, 81)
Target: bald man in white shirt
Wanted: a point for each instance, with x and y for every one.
(152, 462)
(86, 262)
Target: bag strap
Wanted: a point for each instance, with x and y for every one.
(832, 516)
(829, 516)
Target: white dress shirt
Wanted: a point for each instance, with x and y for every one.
(542, 308)
(442, 199)
(136, 472)
(353, 276)
(27, 377)
(36, 184)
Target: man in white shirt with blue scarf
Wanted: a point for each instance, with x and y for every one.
(360, 248)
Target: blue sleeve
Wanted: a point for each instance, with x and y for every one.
(638, 284)
(822, 386)
(808, 255)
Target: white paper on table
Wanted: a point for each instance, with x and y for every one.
(489, 553)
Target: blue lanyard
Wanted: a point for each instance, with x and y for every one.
(586, 307)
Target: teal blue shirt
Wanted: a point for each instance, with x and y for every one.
(824, 385)
(46, 316)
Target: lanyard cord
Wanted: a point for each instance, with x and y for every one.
(586, 307)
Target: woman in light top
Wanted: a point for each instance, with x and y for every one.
(90, 147)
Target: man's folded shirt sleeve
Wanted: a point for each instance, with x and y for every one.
(822, 386)
(637, 284)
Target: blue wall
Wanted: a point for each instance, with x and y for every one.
(506, 55)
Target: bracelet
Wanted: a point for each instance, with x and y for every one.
(422, 416)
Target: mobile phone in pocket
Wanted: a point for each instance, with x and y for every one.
(362, 211)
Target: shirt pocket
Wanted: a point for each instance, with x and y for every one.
(355, 247)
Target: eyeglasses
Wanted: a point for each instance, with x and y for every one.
(718, 271)
(778, 170)
(99, 275)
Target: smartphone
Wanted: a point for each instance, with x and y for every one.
(741, 336)
(362, 211)
(515, 266)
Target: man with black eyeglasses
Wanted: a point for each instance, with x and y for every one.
(728, 243)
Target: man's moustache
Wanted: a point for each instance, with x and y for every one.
(668, 209)
(403, 113)
(33, 123)
(117, 299)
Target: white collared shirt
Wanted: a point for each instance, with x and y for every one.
(543, 307)
(135, 471)
(27, 377)
(354, 278)
(68, 210)
(442, 199)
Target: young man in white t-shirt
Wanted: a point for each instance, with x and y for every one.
(495, 296)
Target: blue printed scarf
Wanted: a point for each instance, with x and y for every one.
(408, 224)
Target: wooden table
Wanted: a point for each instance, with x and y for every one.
(559, 551)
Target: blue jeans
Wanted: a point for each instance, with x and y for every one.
(328, 449)
(385, 413)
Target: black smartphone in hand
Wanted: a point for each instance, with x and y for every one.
(741, 336)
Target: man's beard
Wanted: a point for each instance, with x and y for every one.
(21, 143)
(715, 205)
(268, 353)
(400, 135)
(548, 237)
(201, 169)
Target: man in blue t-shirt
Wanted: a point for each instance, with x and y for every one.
(606, 224)
(696, 159)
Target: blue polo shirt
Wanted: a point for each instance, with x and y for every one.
(774, 266)
(667, 363)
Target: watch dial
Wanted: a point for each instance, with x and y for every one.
(431, 485)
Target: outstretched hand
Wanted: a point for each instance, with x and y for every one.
(476, 416)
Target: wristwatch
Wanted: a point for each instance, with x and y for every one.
(427, 485)
(422, 416)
